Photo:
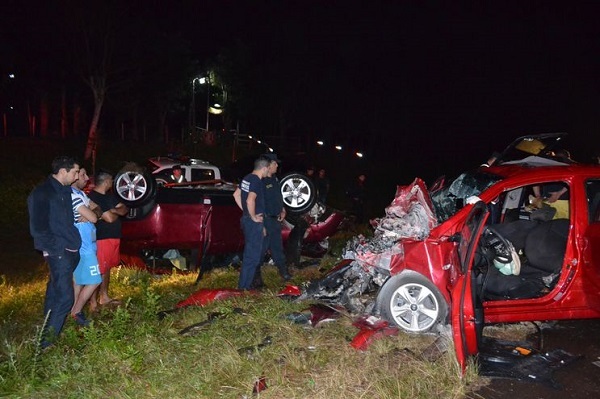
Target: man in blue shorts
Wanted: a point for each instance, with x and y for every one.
(250, 197)
(87, 275)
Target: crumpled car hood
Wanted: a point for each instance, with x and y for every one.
(368, 260)
(409, 215)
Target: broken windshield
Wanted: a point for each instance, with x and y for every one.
(452, 197)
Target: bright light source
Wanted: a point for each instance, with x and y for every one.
(270, 149)
(338, 147)
(320, 142)
(359, 154)
(249, 136)
(11, 75)
(217, 105)
(203, 80)
(259, 142)
(215, 110)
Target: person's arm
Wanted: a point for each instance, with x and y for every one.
(120, 209)
(39, 223)
(95, 208)
(237, 196)
(251, 205)
(555, 195)
(282, 214)
(87, 215)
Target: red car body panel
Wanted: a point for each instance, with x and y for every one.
(203, 219)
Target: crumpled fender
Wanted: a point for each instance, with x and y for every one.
(371, 329)
(205, 296)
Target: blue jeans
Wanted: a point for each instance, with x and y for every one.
(274, 243)
(59, 293)
(253, 255)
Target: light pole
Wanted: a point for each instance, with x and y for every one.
(206, 80)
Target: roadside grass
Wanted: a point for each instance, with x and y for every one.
(128, 352)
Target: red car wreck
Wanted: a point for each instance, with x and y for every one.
(517, 241)
(201, 220)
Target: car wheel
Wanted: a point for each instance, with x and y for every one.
(134, 187)
(412, 302)
(298, 193)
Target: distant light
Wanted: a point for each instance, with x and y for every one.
(359, 154)
(259, 142)
(215, 110)
(338, 147)
(203, 80)
(217, 105)
(249, 136)
(320, 142)
(270, 149)
(11, 75)
(11, 107)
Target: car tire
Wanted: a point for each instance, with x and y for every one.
(133, 186)
(298, 193)
(412, 302)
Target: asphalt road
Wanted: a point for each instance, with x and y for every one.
(580, 379)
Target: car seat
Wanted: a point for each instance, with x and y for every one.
(544, 251)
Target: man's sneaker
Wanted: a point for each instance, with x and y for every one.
(80, 319)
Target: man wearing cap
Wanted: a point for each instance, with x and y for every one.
(250, 197)
(274, 215)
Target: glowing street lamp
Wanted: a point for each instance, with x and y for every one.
(320, 142)
(338, 147)
(359, 154)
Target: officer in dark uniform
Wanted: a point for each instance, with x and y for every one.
(274, 215)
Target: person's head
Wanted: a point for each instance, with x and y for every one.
(321, 173)
(310, 171)
(177, 171)
(83, 179)
(261, 166)
(65, 169)
(273, 164)
(103, 180)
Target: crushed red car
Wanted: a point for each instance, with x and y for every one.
(516, 241)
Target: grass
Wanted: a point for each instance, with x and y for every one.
(130, 353)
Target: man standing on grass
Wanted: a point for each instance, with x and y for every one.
(55, 235)
(250, 197)
(108, 233)
(87, 274)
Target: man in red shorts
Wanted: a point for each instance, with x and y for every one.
(108, 234)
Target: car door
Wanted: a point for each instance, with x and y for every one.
(466, 312)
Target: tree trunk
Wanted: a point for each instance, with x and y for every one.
(99, 93)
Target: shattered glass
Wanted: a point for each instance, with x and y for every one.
(452, 198)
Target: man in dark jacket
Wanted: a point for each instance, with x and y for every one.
(55, 235)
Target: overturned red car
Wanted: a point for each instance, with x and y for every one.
(516, 241)
(200, 220)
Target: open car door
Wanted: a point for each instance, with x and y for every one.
(466, 312)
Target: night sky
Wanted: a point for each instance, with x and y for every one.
(412, 81)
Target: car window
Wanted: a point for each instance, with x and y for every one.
(202, 174)
(542, 202)
(593, 198)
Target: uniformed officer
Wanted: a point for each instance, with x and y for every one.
(275, 214)
(250, 197)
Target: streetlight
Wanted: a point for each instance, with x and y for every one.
(206, 80)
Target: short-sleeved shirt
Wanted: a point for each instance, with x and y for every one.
(105, 202)
(253, 184)
(87, 230)
(273, 199)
